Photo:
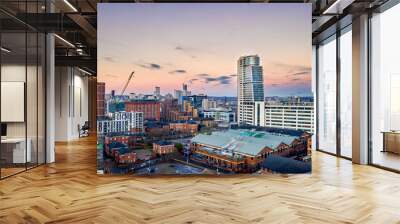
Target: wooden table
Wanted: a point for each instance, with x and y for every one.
(14, 150)
(391, 141)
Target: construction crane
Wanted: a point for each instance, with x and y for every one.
(127, 83)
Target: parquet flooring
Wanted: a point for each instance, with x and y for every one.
(70, 191)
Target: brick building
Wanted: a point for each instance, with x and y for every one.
(169, 108)
(184, 127)
(243, 151)
(101, 91)
(163, 147)
(151, 108)
(124, 156)
(127, 139)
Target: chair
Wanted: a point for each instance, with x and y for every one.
(84, 130)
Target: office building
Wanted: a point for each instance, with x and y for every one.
(132, 96)
(195, 100)
(178, 95)
(168, 96)
(185, 91)
(220, 115)
(207, 104)
(167, 107)
(157, 91)
(150, 108)
(297, 116)
(113, 106)
(250, 93)
(184, 87)
(189, 109)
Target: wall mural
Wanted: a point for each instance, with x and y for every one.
(204, 88)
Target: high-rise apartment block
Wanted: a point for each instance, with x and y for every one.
(120, 122)
(250, 91)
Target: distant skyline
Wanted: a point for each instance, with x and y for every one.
(199, 44)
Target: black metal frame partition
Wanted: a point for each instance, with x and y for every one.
(29, 30)
(382, 8)
(339, 32)
(389, 4)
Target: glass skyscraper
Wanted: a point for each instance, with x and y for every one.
(250, 91)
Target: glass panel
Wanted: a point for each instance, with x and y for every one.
(314, 90)
(327, 96)
(346, 94)
(385, 84)
(32, 88)
(13, 87)
(41, 98)
(31, 98)
(23, 90)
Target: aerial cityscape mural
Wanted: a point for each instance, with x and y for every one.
(213, 89)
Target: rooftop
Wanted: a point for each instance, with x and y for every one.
(124, 134)
(286, 165)
(142, 101)
(184, 122)
(244, 141)
(164, 143)
(218, 109)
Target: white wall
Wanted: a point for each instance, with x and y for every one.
(71, 103)
(33, 126)
(81, 104)
(16, 73)
(11, 73)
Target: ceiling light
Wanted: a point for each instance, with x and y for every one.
(70, 5)
(5, 50)
(331, 7)
(84, 71)
(64, 40)
(337, 7)
(79, 51)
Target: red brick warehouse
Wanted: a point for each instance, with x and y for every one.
(150, 108)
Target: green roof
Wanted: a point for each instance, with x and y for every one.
(244, 141)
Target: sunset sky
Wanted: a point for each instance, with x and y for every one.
(199, 44)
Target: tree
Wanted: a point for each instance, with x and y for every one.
(179, 147)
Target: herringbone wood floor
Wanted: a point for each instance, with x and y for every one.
(69, 191)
